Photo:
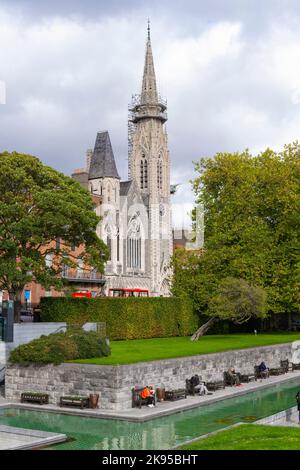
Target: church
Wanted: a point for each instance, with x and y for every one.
(136, 214)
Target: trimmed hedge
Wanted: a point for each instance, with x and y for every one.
(126, 318)
(60, 347)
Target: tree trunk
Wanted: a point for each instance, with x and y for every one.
(16, 297)
(203, 329)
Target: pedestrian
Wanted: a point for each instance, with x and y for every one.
(298, 404)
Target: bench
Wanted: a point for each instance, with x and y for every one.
(216, 385)
(83, 402)
(137, 400)
(175, 394)
(276, 371)
(34, 397)
(286, 365)
(246, 378)
(261, 374)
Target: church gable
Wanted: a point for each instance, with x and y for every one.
(131, 191)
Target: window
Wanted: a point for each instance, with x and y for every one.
(134, 253)
(108, 242)
(65, 270)
(48, 260)
(118, 247)
(159, 173)
(144, 172)
(79, 267)
(108, 193)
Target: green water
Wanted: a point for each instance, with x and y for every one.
(158, 434)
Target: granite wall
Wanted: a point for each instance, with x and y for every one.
(114, 383)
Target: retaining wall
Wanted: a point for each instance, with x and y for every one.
(114, 383)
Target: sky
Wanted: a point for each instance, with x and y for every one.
(229, 69)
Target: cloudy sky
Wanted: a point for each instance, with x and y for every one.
(230, 70)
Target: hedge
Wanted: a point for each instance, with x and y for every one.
(125, 318)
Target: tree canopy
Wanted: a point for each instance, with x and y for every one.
(39, 205)
(235, 300)
(252, 226)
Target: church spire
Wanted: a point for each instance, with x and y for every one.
(149, 90)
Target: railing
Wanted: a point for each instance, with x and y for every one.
(83, 277)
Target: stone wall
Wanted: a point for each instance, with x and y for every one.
(114, 383)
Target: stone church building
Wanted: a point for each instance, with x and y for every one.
(136, 214)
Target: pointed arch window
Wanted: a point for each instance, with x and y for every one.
(144, 172)
(159, 173)
(108, 242)
(135, 249)
(108, 193)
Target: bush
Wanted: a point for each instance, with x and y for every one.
(126, 318)
(60, 347)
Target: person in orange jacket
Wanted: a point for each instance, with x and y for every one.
(148, 394)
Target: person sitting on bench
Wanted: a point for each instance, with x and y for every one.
(195, 381)
(263, 369)
(203, 390)
(148, 394)
(234, 376)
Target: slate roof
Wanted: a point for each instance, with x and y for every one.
(103, 161)
(124, 187)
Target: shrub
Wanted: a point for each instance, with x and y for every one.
(126, 318)
(60, 347)
(89, 344)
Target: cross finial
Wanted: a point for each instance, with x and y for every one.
(148, 29)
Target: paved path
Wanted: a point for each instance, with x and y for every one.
(163, 408)
(291, 419)
(16, 438)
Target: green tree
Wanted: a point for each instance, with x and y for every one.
(235, 300)
(39, 205)
(252, 225)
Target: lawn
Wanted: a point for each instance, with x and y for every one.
(250, 437)
(141, 350)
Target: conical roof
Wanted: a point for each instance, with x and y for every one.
(149, 88)
(103, 161)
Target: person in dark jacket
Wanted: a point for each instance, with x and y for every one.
(298, 403)
(263, 370)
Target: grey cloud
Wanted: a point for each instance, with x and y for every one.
(70, 69)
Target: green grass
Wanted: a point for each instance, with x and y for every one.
(250, 437)
(141, 350)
